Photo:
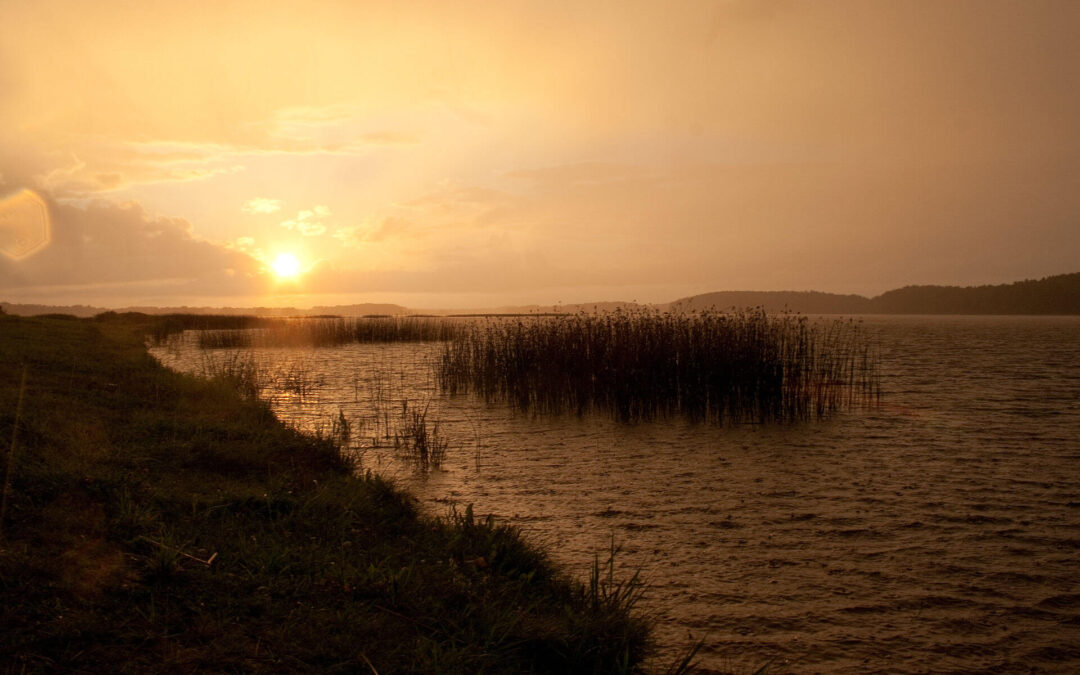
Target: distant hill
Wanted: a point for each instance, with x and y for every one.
(804, 302)
(1051, 295)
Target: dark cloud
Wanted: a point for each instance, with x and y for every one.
(127, 249)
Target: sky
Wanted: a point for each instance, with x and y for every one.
(476, 154)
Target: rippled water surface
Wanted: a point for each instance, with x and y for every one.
(939, 532)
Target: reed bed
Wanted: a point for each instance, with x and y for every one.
(737, 367)
(327, 332)
(164, 327)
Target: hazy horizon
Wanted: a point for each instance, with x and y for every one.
(514, 153)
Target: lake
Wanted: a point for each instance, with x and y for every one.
(939, 531)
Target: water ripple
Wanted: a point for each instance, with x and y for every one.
(939, 532)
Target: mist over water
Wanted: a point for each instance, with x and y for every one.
(938, 532)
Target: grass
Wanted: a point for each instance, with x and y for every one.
(736, 367)
(162, 523)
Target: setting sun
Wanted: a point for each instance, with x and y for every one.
(286, 266)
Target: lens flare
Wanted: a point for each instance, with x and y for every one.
(24, 225)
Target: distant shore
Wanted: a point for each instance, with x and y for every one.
(1053, 295)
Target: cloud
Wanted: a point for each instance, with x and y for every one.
(583, 173)
(309, 221)
(115, 167)
(350, 237)
(388, 138)
(447, 219)
(388, 228)
(262, 205)
(333, 129)
(128, 249)
(771, 226)
(93, 165)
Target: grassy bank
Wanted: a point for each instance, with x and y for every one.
(159, 523)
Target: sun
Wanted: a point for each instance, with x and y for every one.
(286, 266)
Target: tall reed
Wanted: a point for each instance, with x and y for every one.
(745, 366)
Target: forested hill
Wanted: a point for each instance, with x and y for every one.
(805, 302)
(1051, 295)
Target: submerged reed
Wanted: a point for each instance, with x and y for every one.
(718, 367)
(419, 439)
(326, 332)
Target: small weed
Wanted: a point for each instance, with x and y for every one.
(418, 439)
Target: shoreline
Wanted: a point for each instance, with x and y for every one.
(164, 522)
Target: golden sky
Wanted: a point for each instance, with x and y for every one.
(471, 154)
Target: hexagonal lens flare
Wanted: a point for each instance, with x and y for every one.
(24, 225)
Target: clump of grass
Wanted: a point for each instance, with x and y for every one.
(418, 439)
(237, 371)
(607, 593)
(296, 377)
(339, 436)
(717, 367)
(331, 331)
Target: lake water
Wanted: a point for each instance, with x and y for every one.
(939, 532)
